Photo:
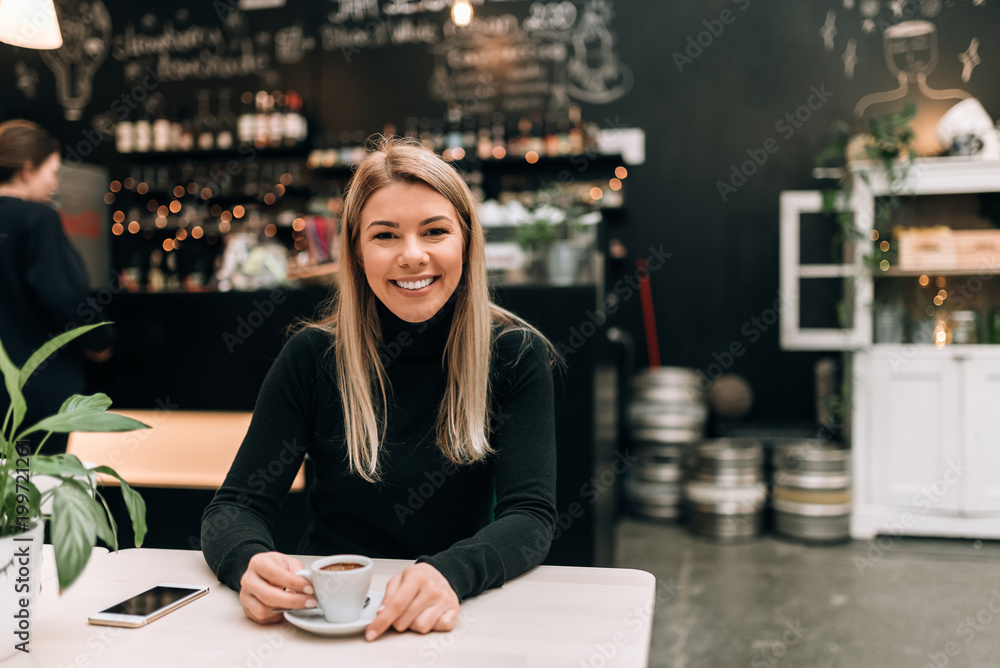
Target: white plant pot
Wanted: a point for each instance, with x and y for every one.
(20, 582)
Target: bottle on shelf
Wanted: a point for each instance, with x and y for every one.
(469, 134)
(577, 131)
(161, 131)
(143, 133)
(204, 124)
(246, 122)
(484, 142)
(453, 119)
(125, 136)
(276, 134)
(499, 129)
(225, 135)
(186, 140)
(536, 138)
(264, 107)
(295, 126)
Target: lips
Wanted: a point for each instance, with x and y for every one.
(415, 284)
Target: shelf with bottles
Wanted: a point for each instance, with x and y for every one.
(246, 248)
(268, 122)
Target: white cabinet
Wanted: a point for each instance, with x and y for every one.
(924, 420)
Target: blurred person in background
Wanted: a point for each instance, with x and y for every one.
(43, 281)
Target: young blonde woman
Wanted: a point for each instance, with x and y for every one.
(419, 402)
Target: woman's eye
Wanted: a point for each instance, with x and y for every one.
(437, 231)
(383, 235)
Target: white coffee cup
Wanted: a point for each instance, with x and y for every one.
(340, 594)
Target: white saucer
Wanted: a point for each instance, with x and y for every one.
(313, 622)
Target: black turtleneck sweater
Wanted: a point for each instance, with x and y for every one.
(425, 507)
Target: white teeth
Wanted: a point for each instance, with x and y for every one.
(415, 285)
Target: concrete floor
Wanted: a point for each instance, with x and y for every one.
(775, 603)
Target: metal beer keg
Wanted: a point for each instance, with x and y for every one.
(812, 491)
(666, 414)
(727, 494)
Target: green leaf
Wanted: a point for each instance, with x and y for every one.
(59, 465)
(133, 503)
(49, 347)
(74, 530)
(79, 402)
(11, 376)
(113, 543)
(84, 418)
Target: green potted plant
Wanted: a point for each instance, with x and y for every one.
(547, 236)
(79, 515)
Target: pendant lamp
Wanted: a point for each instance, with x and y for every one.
(31, 24)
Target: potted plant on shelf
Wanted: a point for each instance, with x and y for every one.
(79, 515)
(547, 237)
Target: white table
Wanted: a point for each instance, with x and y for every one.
(552, 616)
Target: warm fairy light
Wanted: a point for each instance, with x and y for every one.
(142, 188)
(461, 12)
(129, 183)
(192, 188)
(943, 294)
(924, 280)
(458, 153)
(117, 229)
(499, 152)
(109, 198)
(161, 222)
(873, 235)
(596, 193)
(224, 227)
(162, 211)
(298, 224)
(884, 246)
(940, 281)
(197, 232)
(269, 199)
(279, 190)
(446, 155)
(133, 227)
(182, 234)
(206, 193)
(226, 216)
(115, 186)
(151, 205)
(929, 311)
(119, 217)
(615, 184)
(168, 245)
(215, 211)
(884, 265)
(175, 206)
(300, 244)
(178, 191)
(238, 211)
(938, 300)
(270, 230)
(285, 179)
(621, 172)
(531, 157)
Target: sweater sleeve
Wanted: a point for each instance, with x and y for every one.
(237, 523)
(58, 280)
(524, 481)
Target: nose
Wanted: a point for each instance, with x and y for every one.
(412, 252)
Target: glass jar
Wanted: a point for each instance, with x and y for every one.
(963, 327)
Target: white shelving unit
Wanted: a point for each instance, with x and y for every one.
(925, 421)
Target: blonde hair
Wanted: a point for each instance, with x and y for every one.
(462, 429)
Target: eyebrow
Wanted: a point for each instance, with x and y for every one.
(389, 223)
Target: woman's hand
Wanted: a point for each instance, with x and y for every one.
(418, 598)
(270, 582)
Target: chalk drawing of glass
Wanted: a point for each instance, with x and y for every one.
(86, 31)
(289, 46)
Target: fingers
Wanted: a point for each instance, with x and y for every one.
(270, 583)
(419, 599)
(396, 600)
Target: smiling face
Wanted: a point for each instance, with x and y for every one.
(412, 246)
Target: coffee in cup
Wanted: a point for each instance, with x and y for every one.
(340, 583)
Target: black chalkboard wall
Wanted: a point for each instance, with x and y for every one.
(707, 80)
